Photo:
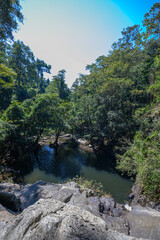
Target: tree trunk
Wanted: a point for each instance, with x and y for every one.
(56, 145)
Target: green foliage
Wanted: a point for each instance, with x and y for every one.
(143, 158)
(58, 86)
(7, 76)
(154, 88)
(116, 104)
(14, 113)
(10, 14)
(86, 184)
(152, 22)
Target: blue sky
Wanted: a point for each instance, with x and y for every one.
(69, 34)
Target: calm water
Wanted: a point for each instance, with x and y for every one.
(70, 163)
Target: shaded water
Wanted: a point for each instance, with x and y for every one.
(70, 163)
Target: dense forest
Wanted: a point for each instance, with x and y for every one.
(116, 107)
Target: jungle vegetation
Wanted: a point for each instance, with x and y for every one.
(116, 106)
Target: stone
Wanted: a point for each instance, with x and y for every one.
(118, 211)
(6, 219)
(71, 185)
(87, 193)
(78, 200)
(18, 198)
(94, 204)
(62, 211)
(116, 223)
(108, 204)
(9, 199)
(114, 235)
(64, 195)
(144, 222)
(51, 219)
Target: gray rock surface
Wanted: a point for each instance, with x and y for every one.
(119, 211)
(6, 219)
(144, 222)
(20, 197)
(9, 196)
(63, 211)
(51, 219)
(108, 204)
(94, 205)
(116, 223)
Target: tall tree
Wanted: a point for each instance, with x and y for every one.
(152, 22)
(22, 60)
(58, 85)
(10, 15)
(41, 68)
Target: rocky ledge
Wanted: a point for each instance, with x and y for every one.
(63, 211)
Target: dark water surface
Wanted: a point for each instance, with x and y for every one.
(70, 163)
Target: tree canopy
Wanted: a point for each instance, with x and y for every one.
(116, 106)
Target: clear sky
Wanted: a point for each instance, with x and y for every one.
(69, 34)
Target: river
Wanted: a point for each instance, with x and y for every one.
(70, 163)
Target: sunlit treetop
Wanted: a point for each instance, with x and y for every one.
(10, 15)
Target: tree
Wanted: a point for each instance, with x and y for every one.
(48, 113)
(58, 86)
(152, 22)
(7, 77)
(10, 15)
(42, 67)
(21, 59)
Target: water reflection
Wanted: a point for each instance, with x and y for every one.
(113, 184)
(70, 163)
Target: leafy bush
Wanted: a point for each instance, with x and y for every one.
(143, 158)
(85, 184)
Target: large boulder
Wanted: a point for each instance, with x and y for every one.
(51, 219)
(6, 219)
(10, 196)
(144, 222)
(17, 198)
(135, 221)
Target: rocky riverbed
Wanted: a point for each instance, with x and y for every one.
(66, 211)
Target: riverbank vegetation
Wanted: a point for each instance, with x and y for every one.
(116, 107)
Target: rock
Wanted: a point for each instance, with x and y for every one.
(10, 187)
(138, 198)
(66, 136)
(72, 143)
(60, 211)
(87, 193)
(61, 192)
(51, 219)
(127, 207)
(116, 223)
(136, 195)
(6, 219)
(144, 222)
(118, 211)
(64, 195)
(108, 204)
(94, 205)
(114, 235)
(71, 185)
(18, 198)
(9, 196)
(83, 141)
(78, 200)
(30, 194)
